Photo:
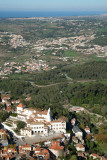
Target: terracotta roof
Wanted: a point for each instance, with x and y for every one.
(41, 113)
(94, 154)
(3, 131)
(21, 105)
(39, 117)
(24, 146)
(9, 108)
(12, 149)
(56, 146)
(5, 98)
(57, 121)
(37, 149)
(87, 128)
(45, 153)
(79, 146)
(15, 101)
(36, 123)
(80, 154)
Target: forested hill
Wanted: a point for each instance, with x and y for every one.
(91, 70)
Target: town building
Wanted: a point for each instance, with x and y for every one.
(56, 149)
(78, 133)
(80, 147)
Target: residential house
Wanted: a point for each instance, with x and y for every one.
(78, 133)
(41, 153)
(94, 155)
(24, 148)
(15, 101)
(20, 108)
(56, 149)
(58, 126)
(80, 147)
(87, 130)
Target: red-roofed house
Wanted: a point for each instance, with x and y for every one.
(80, 147)
(56, 149)
(11, 150)
(9, 109)
(20, 108)
(15, 101)
(45, 154)
(94, 155)
(87, 130)
(40, 152)
(24, 148)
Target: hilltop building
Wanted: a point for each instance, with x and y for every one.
(37, 121)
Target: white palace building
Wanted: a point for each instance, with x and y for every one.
(38, 121)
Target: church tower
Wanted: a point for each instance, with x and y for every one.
(49, 115)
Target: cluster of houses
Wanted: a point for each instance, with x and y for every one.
(77, 43)
(29, 66)
(8, 151)
(52, 150)
(44, 150)
(17, 41)
(78, 141)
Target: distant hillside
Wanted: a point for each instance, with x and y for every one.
(91, 70)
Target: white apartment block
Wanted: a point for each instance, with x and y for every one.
(58, 126)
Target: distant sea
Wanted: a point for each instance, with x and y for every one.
(25, 14)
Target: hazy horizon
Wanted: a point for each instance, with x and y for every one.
(56, 5)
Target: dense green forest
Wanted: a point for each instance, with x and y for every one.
(91, 95)
(101, 35)
(50, 76)
(15, 87)
(91, 70)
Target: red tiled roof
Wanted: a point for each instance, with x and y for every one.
(87, 128)
(12, 149)
(21, 105)
(57, 121)
(9, 108)
(5, 98)
(94, 154)
(3, 131)
(37, 149)
(56, 146)
(15, 101)
(79, 146)
(45, 153)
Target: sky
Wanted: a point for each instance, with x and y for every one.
(53, 5)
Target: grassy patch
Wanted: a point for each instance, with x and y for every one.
(8, 124)
(70, 53)
(95, 58)
(103, 147)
